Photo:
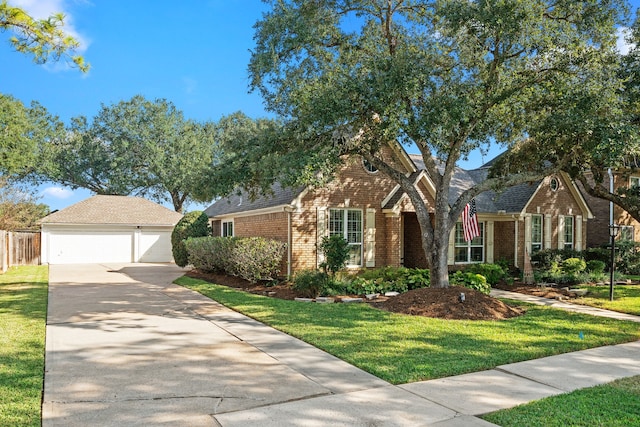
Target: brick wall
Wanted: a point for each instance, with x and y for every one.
(354, 188)
(504, 240)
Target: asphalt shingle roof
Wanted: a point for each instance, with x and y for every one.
(512, 199)
(122, 210)
(242, 202)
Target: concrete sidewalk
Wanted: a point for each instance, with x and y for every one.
(127, 347)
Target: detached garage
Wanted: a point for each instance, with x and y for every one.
(109, 229)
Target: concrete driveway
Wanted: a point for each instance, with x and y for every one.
(127, 347)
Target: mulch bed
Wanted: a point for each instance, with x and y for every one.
(429, 302)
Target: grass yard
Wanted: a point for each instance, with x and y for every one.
(23, 311)
(613, 404)
(401, 349)
(626, 298)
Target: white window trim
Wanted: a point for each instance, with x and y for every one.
(469, 245)
(568, 244)
(222, 228)
(634, 181)
(539, 243)
(345, 231)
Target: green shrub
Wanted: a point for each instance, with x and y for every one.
(310, 283)
(251, 258)
(573, 265)
(595, 266)
(257, 258)
(544, 258)
(389, 279)
(212, 254)
(627, 257)
(192, 224)
(336, 252)
(492, 272)
(470, 280)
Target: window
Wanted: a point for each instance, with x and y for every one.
(227, 229)
(467, 252)
(568, 232)
(348, 224)
(627, 233)
(368, 166)
(536, 233)
(634, 181)
(554, 184)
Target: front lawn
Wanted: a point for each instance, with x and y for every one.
(613, 404)
(626, 298)
(23, 312)
(401, 349)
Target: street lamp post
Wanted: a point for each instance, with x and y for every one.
(613, 232)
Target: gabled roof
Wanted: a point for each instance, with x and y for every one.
(242, 202)
(513, 199)
(123, 210)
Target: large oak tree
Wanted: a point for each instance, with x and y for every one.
(139, 147)
(449, 77)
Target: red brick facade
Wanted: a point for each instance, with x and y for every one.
(392, 236)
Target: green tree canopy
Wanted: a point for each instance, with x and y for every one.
(240, 159)
(22, 131)
(592, 130)
(45, 39)
(448, 76)
(137, 147)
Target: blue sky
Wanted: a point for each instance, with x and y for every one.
(193, 53)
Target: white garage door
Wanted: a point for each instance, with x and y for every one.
(90, 247)
(155, 246)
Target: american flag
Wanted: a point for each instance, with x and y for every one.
(470, 221)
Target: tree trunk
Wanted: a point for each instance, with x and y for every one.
(438, 256)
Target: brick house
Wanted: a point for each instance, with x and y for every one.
(379, 221)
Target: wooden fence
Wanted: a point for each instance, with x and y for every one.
(19, 248)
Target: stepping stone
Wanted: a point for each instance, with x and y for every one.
(324, 300)
(351, 300)
(391, 294)
(304, 299)
(372, 296)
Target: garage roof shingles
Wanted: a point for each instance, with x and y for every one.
(114, 210)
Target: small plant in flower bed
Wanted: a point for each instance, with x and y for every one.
(470, 280)
(492, 272)
(311, 283)
(390, 279)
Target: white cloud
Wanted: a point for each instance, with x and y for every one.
(57, 192)
(622, 46)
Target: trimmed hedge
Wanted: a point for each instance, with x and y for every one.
(192, 224)
(251, 258)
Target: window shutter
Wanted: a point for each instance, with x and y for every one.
(489, 239)
(547, 231)
(321, 231)
(527, 233)
(577, 229)
(560, 232)
(370, 238)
